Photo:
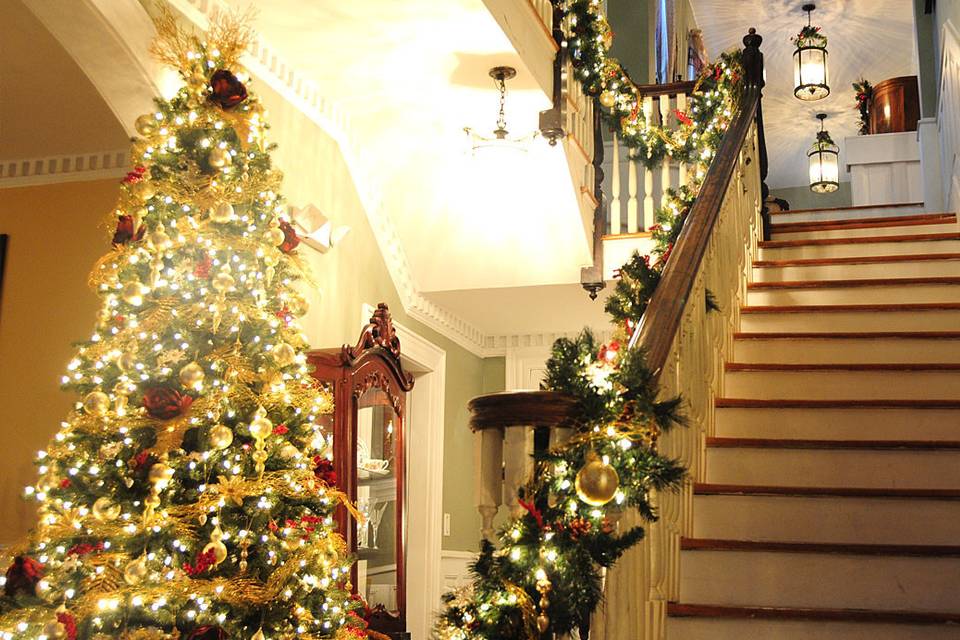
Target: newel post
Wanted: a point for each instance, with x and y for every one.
(753, 69)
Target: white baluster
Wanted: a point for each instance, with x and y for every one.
(517, 465)
(615, 188)
(648, 218)
(632, 195)
(489, 489)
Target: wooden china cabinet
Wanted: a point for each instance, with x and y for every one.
(369, 388)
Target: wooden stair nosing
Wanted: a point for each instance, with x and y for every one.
(838, 366)
(752, 403)
(686, 610)
(719, 442)
(826, 242)
(836, 308)
(820, 262)
(918, 220)
(848, 335)
(850, 208)
(712, 489)
(859, 549)
(862, 282)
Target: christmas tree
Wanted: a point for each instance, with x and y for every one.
(190, 494)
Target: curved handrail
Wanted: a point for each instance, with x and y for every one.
(656, 331)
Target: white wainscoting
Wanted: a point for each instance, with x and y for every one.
(948, 114)
(455, 568)
(884, 168)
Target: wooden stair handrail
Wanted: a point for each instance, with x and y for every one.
(659, 325)
(668, 89)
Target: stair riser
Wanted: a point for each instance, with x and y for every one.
(804, 252)
(816, 351)
(827, 519)
(823, 234)
(843, 385)
(907, 293)
(739, 629)
(846, 321)
(815, 580)
(834, 468)
(913, 269)
(840, 424)
(846, 214)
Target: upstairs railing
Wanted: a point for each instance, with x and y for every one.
(633, 191)
(685, 346)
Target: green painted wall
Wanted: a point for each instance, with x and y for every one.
(927, 55)
(803, 198)
(631, 22)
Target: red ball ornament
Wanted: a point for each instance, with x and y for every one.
(226, 90)
(165, 403)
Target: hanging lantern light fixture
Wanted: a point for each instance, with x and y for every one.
(824, 157)
(810, 76)
(501, 139)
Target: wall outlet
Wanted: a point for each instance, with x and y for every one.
(446, 524)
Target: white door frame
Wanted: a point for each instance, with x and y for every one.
(423, 446)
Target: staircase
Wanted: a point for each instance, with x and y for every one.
(831, 502)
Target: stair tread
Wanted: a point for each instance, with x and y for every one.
(707, 488)
(746, 403)
(908, 257)
(922, 219)
(819, 308)
(850, 208)
(848, 335)
(867, 549)
(835, 366)
(822, 242)
(800, 443)
(862, 282)
(676, 609)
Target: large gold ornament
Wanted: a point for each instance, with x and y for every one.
(133, 293)
(597, 482)
(96, 403)
(146, 125)
(261, 427)
(216, 544)
(223, 281)
(126, 362)
(284, 354)
(144, 189)
(274, 236)
(222, 213)
(192, 375)
(219, 158)
(221, 436)
(135, 571)
(105, 509)
(608, 98)
(160, 240)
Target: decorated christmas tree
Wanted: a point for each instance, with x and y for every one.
(190, 493)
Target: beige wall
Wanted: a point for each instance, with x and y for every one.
(55, 237)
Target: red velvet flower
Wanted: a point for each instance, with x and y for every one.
(290, 238)
(65, 483)
(126, 231)
(23, 575)
(165, 403)
(136, 175)
(140, 459)
(682, 117)
(280, 429)
(203, 266)
(205, 560)
(69, 624)
(323, 469)
(208, 632)
(609, 352)
(226, 90)
(84, 548)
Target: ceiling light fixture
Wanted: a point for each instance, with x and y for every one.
(810, 61)
(824, 158)
(501, 136)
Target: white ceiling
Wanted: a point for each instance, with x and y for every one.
(48, 107)
(869, 38)
(411, 75)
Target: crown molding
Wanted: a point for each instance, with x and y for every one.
(269, 66)
(74, 167)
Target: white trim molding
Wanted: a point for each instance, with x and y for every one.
(948, 114)
(78, 167)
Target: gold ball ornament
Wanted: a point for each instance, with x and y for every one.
(146, 125)
(223, 282)
(96, 403)
(54, 630)
(219, 158)
(160, 474)
(160, 240)
(274, 236)
(261, 427)
(126, 362)
(297, 304)
(192, 375)
(135, 571)
(221, 436)
(271, 259)
(133, 292)
(219, 551)
(144, 189)
(222, 213)
(608, 98)
(284, 354)
(105, 509)
(597, 482)
(289, 452)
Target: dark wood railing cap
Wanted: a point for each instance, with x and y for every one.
(522, 408)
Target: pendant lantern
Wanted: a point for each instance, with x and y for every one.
(824, 157)
(810, 77)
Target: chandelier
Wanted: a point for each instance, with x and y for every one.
(501, 139)
(810, 78)
(824, 158)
